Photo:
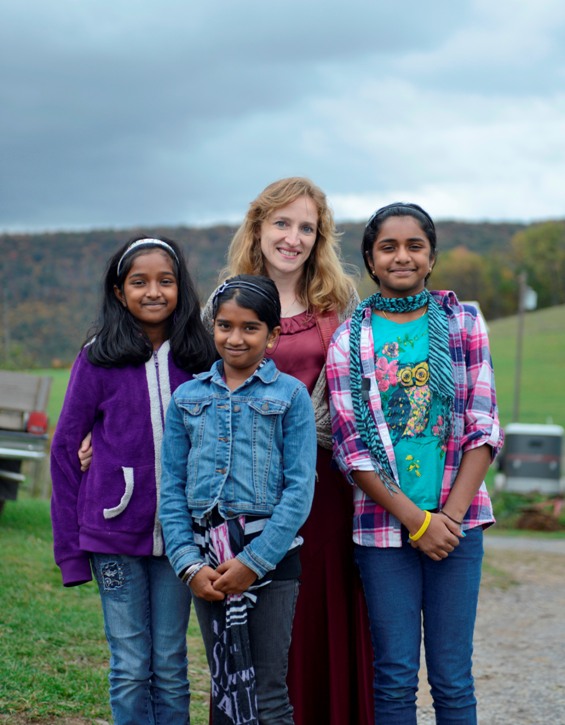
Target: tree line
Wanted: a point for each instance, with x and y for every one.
(51, 282)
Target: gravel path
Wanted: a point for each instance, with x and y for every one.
(519, 660)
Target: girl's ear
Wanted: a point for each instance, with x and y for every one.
(273, 335)
(369, 258)
(120, 295)
(432, 265)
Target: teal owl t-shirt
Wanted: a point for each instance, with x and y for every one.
(416, 418)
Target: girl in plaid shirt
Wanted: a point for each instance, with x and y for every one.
(415, 427)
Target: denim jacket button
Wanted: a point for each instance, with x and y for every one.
(236, 408)
(265, 406)
(220, 470)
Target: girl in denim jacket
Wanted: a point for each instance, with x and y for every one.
(149, 340)
(239, 458)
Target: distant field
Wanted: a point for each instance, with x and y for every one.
(542, 393)
(542, 397)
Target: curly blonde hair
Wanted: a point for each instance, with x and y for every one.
(324, 284)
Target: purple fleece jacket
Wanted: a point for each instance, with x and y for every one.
(112, 508)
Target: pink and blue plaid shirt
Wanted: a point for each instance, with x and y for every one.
(475, 417)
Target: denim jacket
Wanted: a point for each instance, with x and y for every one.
(247, 451)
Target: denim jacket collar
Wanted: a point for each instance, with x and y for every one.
(267, 373)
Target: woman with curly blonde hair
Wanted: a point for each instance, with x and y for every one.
(322, 283)
(289, 235)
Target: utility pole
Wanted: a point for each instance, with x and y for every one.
(6, 342)
(527, 300)
(522, 280)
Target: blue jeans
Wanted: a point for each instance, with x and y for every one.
(269, 624)
(404, 587)
(146, 609)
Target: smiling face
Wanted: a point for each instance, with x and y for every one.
(241, 339)
(150, 292)
(401, 257)
(287, 237)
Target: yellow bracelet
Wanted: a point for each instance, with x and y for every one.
(423, 528)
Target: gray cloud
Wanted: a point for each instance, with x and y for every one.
(127, 113)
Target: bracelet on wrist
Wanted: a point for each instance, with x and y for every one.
(423, 528)
(191, 571)
(194, 573)
(459, 523)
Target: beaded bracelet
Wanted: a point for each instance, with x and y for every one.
(423, 528)
(459, 523)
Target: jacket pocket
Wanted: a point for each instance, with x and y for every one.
(120, 498)
(197, 415)
(111, 513)
(267, 444)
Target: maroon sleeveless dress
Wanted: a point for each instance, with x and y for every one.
(330, 674)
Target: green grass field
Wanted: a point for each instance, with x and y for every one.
(542, 394)
(53, 654)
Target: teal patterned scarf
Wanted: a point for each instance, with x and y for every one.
(441, 371)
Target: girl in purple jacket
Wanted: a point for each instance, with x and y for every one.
(148, 341)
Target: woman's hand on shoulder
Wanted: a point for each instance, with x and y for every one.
(202, 585)
(440, 538)
(235, 577)
(85, 452)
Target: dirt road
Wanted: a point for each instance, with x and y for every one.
(519, 660)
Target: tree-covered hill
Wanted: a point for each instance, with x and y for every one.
(51, 281)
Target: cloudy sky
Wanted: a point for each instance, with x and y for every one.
(116, 113)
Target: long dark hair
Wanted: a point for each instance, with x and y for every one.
(118, 339)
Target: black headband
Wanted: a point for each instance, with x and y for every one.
(409, 208)
(235, 284)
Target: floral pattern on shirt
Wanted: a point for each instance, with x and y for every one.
(413, 465)
(407, 397)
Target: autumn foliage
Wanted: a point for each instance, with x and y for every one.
(51, 281)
